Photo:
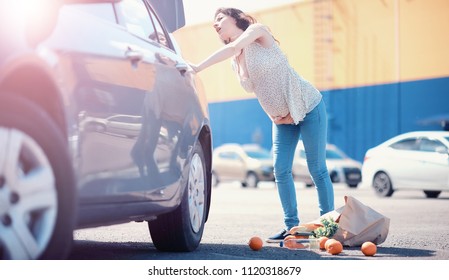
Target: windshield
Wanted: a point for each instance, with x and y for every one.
(259, 154)
(331, 154)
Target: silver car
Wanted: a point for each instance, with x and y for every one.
(342, 168)
(411, 161)
(249, 164)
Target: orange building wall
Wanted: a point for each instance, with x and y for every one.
(424, 44)
(363, 42)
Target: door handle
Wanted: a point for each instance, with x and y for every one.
(133, 56)
(182, 68)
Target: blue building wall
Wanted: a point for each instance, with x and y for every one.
(359, 118)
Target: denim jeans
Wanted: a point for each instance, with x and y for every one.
(313, 131)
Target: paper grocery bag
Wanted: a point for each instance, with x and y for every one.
(358, 223)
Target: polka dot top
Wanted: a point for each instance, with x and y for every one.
(278, 87)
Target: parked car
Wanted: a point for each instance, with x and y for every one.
(411, 161)
(72, 61)
(248, 164)
(342, 168)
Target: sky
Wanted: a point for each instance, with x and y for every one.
(200, 11)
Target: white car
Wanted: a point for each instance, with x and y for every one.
(342, 168)
(415, 160)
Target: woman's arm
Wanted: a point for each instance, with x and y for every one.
(252, 33)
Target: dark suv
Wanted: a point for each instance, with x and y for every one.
(66, 69)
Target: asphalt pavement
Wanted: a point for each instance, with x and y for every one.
(418, 228)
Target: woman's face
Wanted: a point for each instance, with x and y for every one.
(225, 26)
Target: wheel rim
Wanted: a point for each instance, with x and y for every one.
(196, 193)
(251, 180)
(381, 183)
(28, 197)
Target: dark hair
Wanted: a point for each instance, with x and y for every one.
(242, 20)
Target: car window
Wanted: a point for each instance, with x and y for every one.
(228, 155)
(159, 35)
(428, 145)
(136, 18)
(101, 10)
(409, 144)
(259, 154)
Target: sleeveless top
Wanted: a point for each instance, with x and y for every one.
(278, 87)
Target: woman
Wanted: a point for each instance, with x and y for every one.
(293, 104)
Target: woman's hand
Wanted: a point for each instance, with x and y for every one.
(195, 67)
(283, 120)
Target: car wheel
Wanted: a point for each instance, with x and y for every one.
(382, 185)
(432, 194)
(251, 180)
(334, 177)
(353, 186)
(37, 185)
(182, 229)
(215, 179)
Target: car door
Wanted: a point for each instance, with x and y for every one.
(101, 76)
(171, 117)
(115, 68)
(434, 170)
(402, 160)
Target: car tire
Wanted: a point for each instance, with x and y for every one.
(382, 185)
(251, 180)
(182, 229)
(309, 185)
(334, 176)
(353, 186)
(215, 179)
(38, 184)
(432, 194)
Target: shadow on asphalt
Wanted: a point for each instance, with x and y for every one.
(94, 250)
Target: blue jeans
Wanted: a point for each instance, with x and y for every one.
(313, 130)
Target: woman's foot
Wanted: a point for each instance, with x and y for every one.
(278, 237)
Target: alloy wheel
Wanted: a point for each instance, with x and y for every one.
(28, 196)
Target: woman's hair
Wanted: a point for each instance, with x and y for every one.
(242, 20)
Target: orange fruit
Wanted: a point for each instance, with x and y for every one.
(255, 243)
(323, 240)
(333, 246)
(327, 242)
(369, 248)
